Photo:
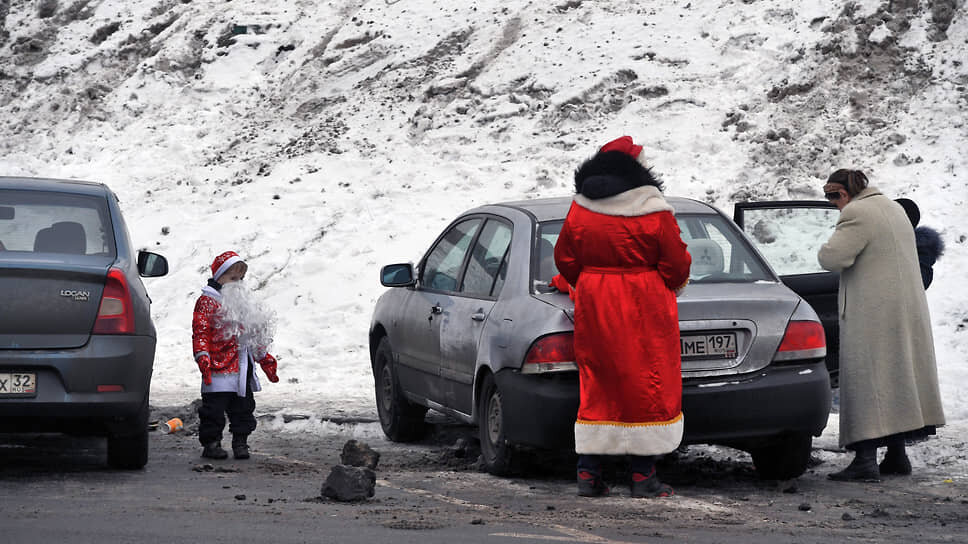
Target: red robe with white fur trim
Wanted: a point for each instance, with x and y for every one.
(625, 257)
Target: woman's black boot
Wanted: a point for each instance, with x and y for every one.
(895, 460)
(862, 469)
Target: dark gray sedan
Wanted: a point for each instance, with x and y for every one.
(475, 331)
(76, 339)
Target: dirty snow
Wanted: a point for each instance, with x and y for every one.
(321, 140)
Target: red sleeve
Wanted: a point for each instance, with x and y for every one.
(674, 260)
(560, 283)
(202, 324)
(565, 258)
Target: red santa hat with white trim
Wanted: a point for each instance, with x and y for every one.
(223, 262)
(627, 146)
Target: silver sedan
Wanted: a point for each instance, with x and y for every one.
(475, 331)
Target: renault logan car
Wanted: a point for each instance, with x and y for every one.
(76, 339)
(475, 331)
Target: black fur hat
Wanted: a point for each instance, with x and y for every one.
(609, 173)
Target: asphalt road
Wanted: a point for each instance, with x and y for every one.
(56, 488)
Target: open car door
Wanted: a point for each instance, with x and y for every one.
(789, 235)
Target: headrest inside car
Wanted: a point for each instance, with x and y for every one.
(62, 237)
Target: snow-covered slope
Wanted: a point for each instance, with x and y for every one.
(324, 139)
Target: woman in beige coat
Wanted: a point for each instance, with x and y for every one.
(888, 378)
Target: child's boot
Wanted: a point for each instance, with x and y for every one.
(213, 450)
(240, 449)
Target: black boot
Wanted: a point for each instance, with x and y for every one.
(895, 462)
(213, 450)
(240, 449)
(648, 485)
(862, 469)
(591, 485)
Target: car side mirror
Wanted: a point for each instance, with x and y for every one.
(151, 265)
(397, 275)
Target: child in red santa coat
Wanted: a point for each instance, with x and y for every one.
(230, 332)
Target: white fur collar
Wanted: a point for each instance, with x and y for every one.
(210, 291)
(632, 203)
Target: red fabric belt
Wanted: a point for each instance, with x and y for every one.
(618, 269)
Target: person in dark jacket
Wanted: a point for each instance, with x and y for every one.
(930, 246)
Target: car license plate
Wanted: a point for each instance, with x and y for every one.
(708, 346)
(19, 384)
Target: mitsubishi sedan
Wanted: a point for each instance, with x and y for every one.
(77, 343)
(475, 331)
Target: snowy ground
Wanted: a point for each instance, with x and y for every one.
(321, 140)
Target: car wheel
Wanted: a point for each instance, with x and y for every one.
(784, 459)
(129, 451)
(496, 452)
(401, 420)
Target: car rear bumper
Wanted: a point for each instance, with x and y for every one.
(737, 410)
(543, 407)
(776, 400)
(67, 395)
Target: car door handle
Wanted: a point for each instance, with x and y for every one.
(478, 315)
(436, 309)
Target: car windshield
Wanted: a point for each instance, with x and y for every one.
(46, 222)
(719, 253)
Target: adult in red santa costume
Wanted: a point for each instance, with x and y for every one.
(228, 380)
(621, 249)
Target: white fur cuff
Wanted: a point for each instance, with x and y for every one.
(614, 438)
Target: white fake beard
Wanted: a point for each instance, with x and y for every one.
(243, 316)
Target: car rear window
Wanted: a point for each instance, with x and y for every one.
(43, 222)
(719, 252)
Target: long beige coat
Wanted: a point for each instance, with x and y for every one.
(888, 376)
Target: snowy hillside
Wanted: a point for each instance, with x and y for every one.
(321, 140)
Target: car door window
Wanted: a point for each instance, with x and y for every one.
(443, 264)
(790, 238)
(501, 275)
(487, 259)
(544, 255)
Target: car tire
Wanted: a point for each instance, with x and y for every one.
(401, 420)
(784, 459)
(497, 454)
(129, 450)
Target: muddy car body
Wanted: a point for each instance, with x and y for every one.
(474, 331)
(76, 339)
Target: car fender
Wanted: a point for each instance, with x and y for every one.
(511, 328)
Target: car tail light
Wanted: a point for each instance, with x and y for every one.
(115, 315)
(802, 340)
(552, 353)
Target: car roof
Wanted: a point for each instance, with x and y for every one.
(53, 185)
(556, 208)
